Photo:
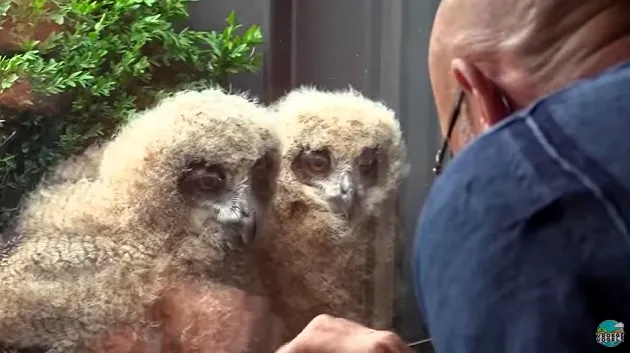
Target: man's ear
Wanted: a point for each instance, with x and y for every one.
(487, 97)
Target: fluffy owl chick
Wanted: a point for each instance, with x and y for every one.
(178, 203)
(343, 161)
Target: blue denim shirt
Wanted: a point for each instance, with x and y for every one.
(523, 242)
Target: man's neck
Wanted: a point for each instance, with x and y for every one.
(600, 43)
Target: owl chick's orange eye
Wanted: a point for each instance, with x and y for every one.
(316, 162)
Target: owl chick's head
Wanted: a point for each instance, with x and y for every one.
(200, 162)
(347, 149)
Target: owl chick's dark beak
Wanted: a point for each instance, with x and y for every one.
(248, 227)
(347, 195)
(240, 218)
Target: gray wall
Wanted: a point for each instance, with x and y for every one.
(418, 115)
(378, 47)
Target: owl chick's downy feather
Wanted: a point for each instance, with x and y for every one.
(84, 165)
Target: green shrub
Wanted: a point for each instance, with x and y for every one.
(113, 58)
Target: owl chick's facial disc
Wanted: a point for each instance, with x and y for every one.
(342, 146)
(229, 198)
(343, 181)
(206, 155)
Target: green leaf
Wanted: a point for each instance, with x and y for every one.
(58, 18)
(231, 19)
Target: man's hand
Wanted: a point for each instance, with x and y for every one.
(327, 334)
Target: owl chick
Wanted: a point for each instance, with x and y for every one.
(179, 202)
(343, 161)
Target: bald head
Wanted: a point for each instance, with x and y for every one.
(520, 50)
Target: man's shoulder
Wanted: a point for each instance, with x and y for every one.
(571, 144)
(500, 178)
(575, 139)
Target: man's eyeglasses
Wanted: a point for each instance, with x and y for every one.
(441, 153)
